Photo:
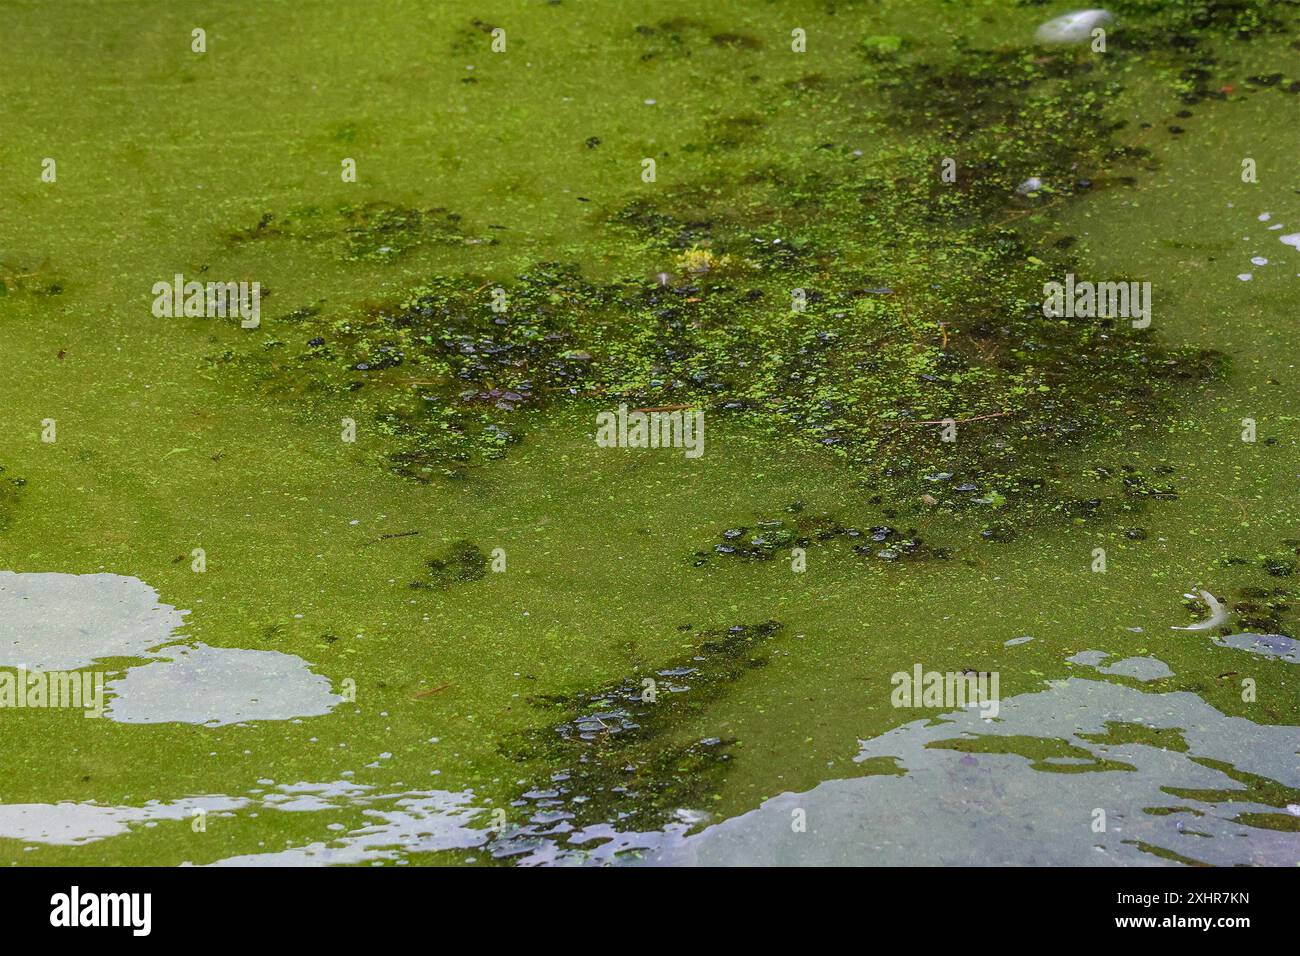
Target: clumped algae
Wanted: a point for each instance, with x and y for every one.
(461, 561)
(376, 231)
(616, 755)
(852, 304)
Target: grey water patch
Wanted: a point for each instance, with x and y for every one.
(1275, 646)
(219, 685)
(1016, 640)
(69, 823)
(414, 822)
(310, 797)
(72, 824)
(51, 621)
(960, 808)
(989, 804)
(403, 822)
(1139, 668)
(1088, 658)
(54, 621)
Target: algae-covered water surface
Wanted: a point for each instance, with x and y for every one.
(554, 432)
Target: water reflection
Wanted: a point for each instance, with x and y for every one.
(1087, 771)
(1084, 773)
(54, 622)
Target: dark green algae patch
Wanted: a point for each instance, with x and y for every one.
(375, 231)
(616, 751)
(920, 300)
(1265, 599)
(458, 562)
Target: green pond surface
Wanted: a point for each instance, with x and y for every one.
(474, 636)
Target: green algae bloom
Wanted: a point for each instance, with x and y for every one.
(365, 565)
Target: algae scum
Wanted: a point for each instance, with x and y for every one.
(358, 585)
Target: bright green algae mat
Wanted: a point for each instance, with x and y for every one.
(522, 170)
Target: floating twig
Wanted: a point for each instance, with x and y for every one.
(956, 421)
(663, 408)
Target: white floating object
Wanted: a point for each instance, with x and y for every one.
(1218, 614)
(1030, 185)
(1292, 240)
(1073, 27)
